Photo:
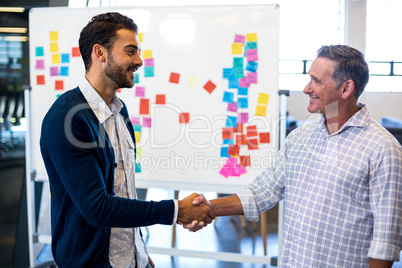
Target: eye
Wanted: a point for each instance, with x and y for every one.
(130, 52)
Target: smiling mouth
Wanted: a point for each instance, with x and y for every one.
(315, 98)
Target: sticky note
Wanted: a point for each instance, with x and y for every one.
(137, 168)
(59, 85)
(39, 51)
(65, 58)
(243, 118)
(54, 71)
(136, 78)
(147, 54)
(184, 118)
(252, 66)
(245, 160)
(261, 110)
(252, 131)
(231, 121)
(233, 150)
(228, 141)
(224, 152)
(147, 122)
(144, 106)
(252, 78)
(140, 92)
(54, 36)
(119, 90)
(160, 99)
(239, 39)
(137, 128)
(244, 83)
(265, 137)
(242, 91)
(233, 83)
(237, 48)
(251, 45)
(237, 63)
(263, 98)
(40, 64)
(40, 79)
(227, 133)
(239, 128)
(137, 136)
(228, 97)
(209, 86)
(251, 37)
(232, 107)
(241, 139)
(224, 172)
(149, 71)
(227, 73)
(174, 78)
(75, 52)
(64, 71)
(54, 47)
(252, 144)
(56, 59)
(140, 37)
(192, 81)
(242, 103)
(138, 152)
(135, 120)
(252, 55)
(149, 62)
(238, 72)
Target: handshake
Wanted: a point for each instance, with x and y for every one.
(195, 211)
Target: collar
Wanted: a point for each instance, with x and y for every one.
(97, 104)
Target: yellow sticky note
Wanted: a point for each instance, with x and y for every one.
(139, 152)
(54, 36)
(237, 48)
(140, 37)
(147, 54)
(54, 47)
(251, 37)
(137, 136)
(261, 110)
(192, 81)
(56, 58)
(263, 98)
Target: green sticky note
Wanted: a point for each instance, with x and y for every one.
(137, 168)
(237, 63)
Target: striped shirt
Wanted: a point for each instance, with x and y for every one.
(342, 192)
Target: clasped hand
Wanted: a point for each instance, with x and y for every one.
(195, 212)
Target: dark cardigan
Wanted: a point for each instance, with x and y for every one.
(79, 160)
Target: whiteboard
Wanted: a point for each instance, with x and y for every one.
(196, 43)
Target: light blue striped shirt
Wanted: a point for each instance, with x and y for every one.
(342, 192)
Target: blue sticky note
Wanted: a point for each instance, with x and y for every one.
(243, 91)
(227, 73)
(149, 71)
(228, 97)
(251, 45)
(233, 82)
(65, 58)
(228, 141)
(137, 168)
(231, 121)
(137, 128)
(252, 66)
(242, 103)
(224, 152)
(237, 63)
(64, 70)
(136, 78)
(238, 73)
(39, 51)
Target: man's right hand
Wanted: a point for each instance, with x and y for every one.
(189, 213)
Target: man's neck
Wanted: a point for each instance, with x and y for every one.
(335, 122)
(104, 90)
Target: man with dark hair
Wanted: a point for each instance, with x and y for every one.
(340, 177)
(88, 147)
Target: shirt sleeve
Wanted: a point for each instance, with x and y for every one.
(386, 202)
(176, 211)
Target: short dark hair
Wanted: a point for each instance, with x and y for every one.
(102, 30)
(350, 64)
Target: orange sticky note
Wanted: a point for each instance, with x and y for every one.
(265, 137)
(40, 79)
(59, 85)
(174, 78)
(233, 150)
(252, 131)
(227, 133)
(241, 139)
(119, 90)
(245, 161)
(160, 99)
(144, 106)
(209, 86)
(252, 144)
(75, 52)
(184, 118)
(239, 128)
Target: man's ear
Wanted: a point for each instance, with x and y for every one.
(348, 89)
(99, 52)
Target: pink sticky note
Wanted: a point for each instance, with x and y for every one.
(251, 55)
(54, 71)
(40, 64)
(146, 122)
(243, 82)
(140, 92)
(149, 62)
(232, 107)
(243, 118)
(239, 39)
(135, 120)
(224, 172)
(252, 78)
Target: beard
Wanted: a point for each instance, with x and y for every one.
(118, 74)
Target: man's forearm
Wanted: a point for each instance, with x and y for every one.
(227, 206)
(376, 263)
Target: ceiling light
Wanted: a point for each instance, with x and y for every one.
(12, 9)
(13, 29)
(16, 38)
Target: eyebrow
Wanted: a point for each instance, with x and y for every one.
(132, 46)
